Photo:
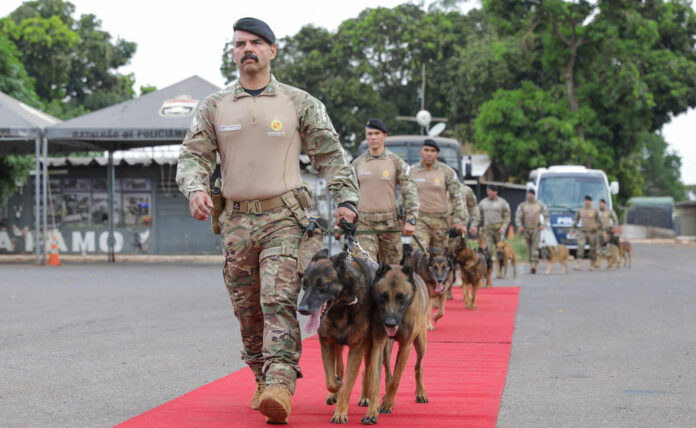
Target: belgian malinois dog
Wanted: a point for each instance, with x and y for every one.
(338, 299)
(611, 254)
(475, 269)
(437, 270)
(625, 250)
(556, 254)
(401, 297)
(506, 256)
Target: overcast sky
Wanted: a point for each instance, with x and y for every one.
(179, 39)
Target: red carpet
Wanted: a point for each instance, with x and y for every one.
(465, 368)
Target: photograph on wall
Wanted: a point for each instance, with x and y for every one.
(77, 212)
(100, 209)
(137, 209)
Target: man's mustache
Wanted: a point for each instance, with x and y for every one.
(249, 56)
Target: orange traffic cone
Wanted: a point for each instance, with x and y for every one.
(511, 232)
(53, 259)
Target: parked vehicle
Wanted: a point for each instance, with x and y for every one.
(562, 188)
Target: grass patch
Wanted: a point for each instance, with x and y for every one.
(519, 245)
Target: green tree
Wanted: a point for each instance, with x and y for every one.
(72, 61)
(14, 80)
(622, 67)
(660, 169)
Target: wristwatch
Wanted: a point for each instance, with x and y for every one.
(411, 221)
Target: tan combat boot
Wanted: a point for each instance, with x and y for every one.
(260, 388)
(577, 266)
(275, 404)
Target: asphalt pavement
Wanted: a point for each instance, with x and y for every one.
(94, 344)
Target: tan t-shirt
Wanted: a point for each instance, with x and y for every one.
(589, 217)
(377, 181)
(432, 190)
(259, 145)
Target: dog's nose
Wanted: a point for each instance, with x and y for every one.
(390, 322)
(303, 308)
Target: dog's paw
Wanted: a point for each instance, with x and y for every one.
(369, 420)
(339, 419)
(437, 317)
(331, 398)
(421, 398)
(364, 402)
(385, 410)
(431, 328)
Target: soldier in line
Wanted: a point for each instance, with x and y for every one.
(437, 185)
(258, 126)
(495, 217)
(589, 217)
(609, 222)
(472, 208)
(379, 171)
(531, 217)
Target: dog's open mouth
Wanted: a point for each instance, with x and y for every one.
(439, 286)
(317, 317)
(391, 331)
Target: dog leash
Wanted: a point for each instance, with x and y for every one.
(382, 231)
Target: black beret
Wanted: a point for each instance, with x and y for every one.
(588, 197)
(432, 143)
(377, 124)
(530, 190)
(255, 26)
(494, 187)
(602, 200)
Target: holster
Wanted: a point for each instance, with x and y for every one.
(312, 242)
(218, 206)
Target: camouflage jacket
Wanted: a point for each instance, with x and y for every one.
(198, 153)
(494, 212)
(409, 193)
(608, 219)
(471, 205)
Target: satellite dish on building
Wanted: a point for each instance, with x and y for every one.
(436, 129)
(423, 118)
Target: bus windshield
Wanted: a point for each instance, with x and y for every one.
(568, 191)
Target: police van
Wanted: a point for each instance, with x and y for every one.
(562, 188)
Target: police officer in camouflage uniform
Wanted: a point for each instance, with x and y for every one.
(531, 217)
(379, 171)
(609, 221)
(437, 186)
(588, 234)
(258, 127)
(495, 217)
(472, 208)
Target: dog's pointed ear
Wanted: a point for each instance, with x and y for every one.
(382, 270)
(339, 262)
(321, 254)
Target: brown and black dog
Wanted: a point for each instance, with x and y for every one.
(625, 250)
(611, 255)
(556, 254)
(476, 270)
(401, 297)
(338, 299)
(505, 255)
(436, 269)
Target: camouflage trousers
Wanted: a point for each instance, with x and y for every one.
(531, 237)
(383, 246)
(590, 237)
(431, 230)
(491, 236)
(260, 273)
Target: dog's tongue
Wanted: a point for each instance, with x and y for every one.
(391, 331)
(313, 322)
(439, 287)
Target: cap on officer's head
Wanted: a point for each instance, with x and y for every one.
(431, 143)
(255, 26)
(588, 197)
(602, 200)
(377, 124)
(531, 190)
(494, 187)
